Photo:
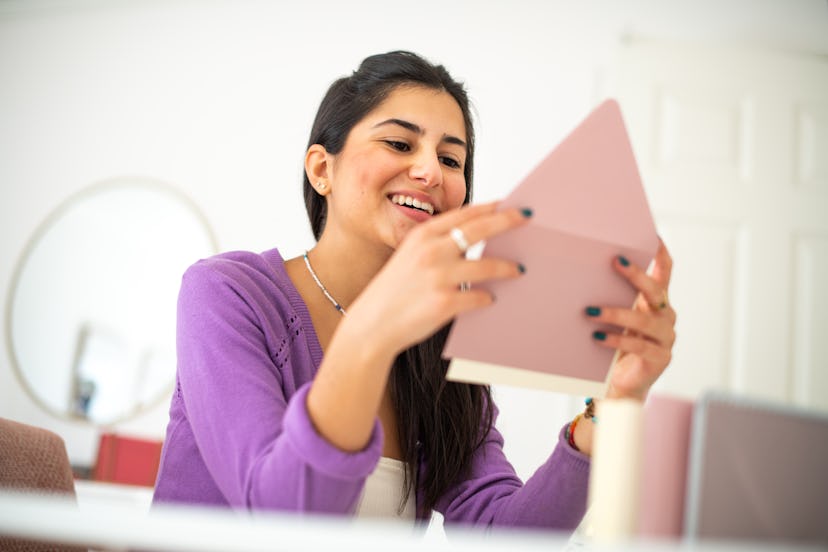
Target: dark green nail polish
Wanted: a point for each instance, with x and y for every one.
(521, 268)
(526, 212)
(593, 311)
(623, 260)
(600, 336)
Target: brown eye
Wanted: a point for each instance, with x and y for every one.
(397, 145)
(450, 162)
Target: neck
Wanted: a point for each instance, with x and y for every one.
(346, 267)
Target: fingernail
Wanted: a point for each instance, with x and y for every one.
(623, 260)
(593, 311)
(521, 268)
(526, 212)
(600, 336)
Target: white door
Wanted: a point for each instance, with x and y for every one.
(733, 149)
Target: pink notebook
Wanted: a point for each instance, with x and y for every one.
(589, 206)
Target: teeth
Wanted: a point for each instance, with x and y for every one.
(400, 199)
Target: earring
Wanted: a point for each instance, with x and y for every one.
(321, 186)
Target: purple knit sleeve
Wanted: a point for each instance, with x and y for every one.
(553, 498)
(259, 445)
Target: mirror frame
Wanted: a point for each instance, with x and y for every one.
(45, 225)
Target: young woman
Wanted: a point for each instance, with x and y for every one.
(316, 384)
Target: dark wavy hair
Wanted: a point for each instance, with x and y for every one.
(441, 424)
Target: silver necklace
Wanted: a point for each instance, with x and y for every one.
(322, 287)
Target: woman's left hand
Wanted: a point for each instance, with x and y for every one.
(646, 343)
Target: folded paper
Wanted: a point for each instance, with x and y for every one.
(588, 206)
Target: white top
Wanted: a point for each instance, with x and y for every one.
(383, 492)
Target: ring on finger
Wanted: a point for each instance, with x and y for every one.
(459, 239)
(664, 300)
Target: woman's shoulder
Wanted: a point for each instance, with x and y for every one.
(242, 291)
(251, 275)
(241, 266)
(242, 262)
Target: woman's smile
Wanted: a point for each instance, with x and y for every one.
(413, 202)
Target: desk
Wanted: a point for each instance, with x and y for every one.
(93, 493)
(115, 525)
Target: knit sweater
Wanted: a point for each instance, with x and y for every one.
(240, 434)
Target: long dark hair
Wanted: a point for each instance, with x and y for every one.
(440, 423)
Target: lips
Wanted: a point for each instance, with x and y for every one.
(409, 201)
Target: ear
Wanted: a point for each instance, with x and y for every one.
(317, 168)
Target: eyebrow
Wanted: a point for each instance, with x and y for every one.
(415, 128)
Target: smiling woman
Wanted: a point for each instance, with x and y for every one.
(285, 402)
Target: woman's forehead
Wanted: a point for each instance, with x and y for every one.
(432, 110)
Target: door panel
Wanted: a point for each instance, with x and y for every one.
(810, 342)
(707, 327)
(733, 149)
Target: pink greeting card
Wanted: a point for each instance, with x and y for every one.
(588, 207)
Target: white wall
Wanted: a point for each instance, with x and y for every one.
(217, 99)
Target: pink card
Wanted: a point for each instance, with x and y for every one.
(588, 206)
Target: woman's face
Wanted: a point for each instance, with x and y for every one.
(401, 164)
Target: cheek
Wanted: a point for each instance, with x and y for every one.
(455, 186)
(372, 173)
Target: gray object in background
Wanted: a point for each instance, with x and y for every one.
(758, 471)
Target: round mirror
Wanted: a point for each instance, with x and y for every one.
(92, 304)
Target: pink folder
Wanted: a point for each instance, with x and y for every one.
(589, 206)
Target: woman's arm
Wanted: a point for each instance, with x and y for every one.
(243, 364)
(416, 293)
(553, 498)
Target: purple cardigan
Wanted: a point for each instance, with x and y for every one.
(239, 433)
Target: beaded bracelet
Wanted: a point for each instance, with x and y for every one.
(570, 431)
(587, 414)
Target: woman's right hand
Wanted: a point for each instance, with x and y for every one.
(414, 294)
(418, 289)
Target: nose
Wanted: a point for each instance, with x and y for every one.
(427, 169)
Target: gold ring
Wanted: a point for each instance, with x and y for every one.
(664, 301)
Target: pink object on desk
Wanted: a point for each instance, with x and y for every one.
(667, 424)
(588, 207)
